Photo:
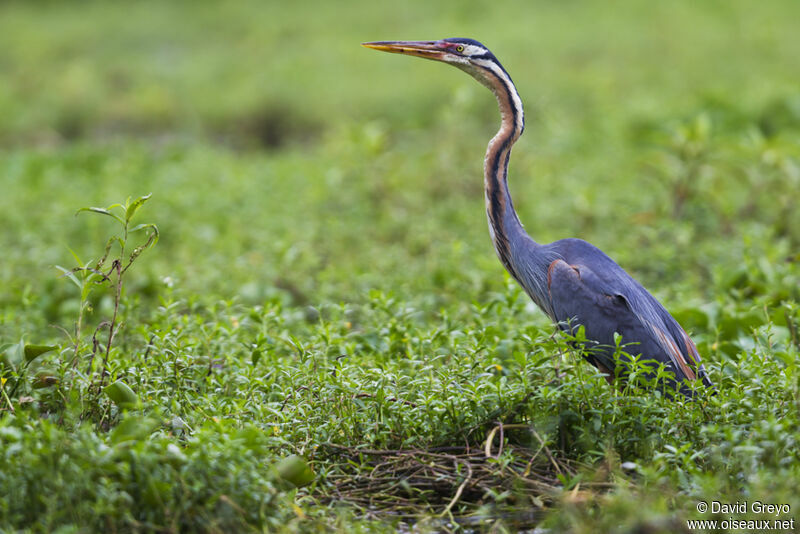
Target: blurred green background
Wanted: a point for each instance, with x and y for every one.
(281, 152)
(288, 164)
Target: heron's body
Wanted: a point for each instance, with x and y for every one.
(572, 281)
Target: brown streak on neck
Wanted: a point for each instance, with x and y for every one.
(498, 200)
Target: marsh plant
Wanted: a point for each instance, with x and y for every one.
(91, 347)
(334, 298)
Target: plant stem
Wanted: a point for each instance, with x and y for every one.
(112, 326)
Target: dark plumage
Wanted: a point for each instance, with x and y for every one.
(572, 281)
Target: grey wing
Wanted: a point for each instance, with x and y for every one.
(579, 297)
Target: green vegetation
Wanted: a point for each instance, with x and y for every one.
(323, 296)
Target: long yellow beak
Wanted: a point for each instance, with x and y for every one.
(426, 49)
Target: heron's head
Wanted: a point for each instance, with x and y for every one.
(467, 54)
(472, 57)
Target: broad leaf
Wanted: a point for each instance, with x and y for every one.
(132, 427)
(295, 470)
(122, 394)
(34, 351)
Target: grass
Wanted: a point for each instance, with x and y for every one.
(324, 294)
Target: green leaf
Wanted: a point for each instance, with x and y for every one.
(122, 394)
(255, 356)
(132, 427)
(71, 275)
(132, 208)
(143, 226)
(102, 211)
(150, 226)
(34, 351)
(295, 470)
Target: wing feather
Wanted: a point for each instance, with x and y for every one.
(580, 296)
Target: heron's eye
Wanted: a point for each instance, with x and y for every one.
(459, 48)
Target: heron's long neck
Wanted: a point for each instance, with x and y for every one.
(504, 224)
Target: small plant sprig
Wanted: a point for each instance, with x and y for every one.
(109, 269)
